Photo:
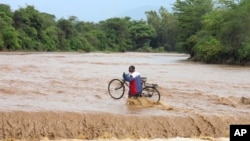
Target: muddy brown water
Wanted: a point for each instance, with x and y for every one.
(64, 95)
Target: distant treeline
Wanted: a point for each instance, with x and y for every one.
(212, 31)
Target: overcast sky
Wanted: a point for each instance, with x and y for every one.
(93, 10)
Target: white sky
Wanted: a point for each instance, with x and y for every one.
(93, 10)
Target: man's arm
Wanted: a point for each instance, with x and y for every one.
(127, 77)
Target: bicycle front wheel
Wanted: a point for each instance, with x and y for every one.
(151, 93)
(116, 88)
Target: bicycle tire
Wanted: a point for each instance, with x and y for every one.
(151, 93)
(116, 88)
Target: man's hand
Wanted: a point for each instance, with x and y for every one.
(123, 75)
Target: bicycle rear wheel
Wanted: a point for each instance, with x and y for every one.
(116, 88)
(151, 93)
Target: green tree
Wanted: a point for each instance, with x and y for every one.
(141, 34)
(189, 15)
(228, 24)
(234, 32)
(49, 33)
(117, 33)
(6, 9)
(93, 34)
(97, 38)
(72, 35)
(165, 25)
(65, 33)
(8, 34)
(29, 21)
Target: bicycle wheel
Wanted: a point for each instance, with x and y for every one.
(116, 88)
(151, 93)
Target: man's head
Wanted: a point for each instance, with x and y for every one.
(131, 69)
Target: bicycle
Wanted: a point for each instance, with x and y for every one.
(116, 89)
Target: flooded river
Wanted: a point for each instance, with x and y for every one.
(42, 85)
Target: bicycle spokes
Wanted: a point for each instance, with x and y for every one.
(151, 93)
(116, 88)
(119, 86)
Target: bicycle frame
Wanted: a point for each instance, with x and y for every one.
(143, 81)
(123, 83)
(148, 90)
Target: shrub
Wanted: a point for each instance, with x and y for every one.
(244, 53)
(208, 51)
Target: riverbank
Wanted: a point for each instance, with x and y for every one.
(89, 126)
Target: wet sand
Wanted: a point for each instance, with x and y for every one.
(64, 96)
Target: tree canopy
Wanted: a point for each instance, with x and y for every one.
(212, 31)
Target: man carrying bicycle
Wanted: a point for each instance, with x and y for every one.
(134, 79)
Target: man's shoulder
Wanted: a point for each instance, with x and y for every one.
(135, 74)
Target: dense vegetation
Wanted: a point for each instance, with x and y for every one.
(212, 31)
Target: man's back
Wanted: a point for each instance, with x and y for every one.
(135, 86)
